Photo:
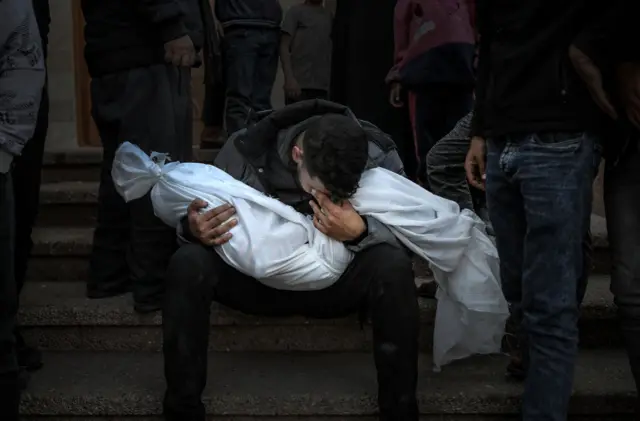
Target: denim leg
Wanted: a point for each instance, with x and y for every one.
(241, 56)
(506, 211)
(621, 189)
(266, 69)
(555, 175)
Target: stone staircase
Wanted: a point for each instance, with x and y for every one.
(102, 360)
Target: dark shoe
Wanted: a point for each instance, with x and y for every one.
(516, 368)
(9, 396)
(29, 358)
(515, 347)
(23, 378)
(428, 290)
(97, 293)
(146, 308)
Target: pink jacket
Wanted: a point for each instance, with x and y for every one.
(434, 41)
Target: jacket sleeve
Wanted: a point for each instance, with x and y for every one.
(602, 38)
(484, 69)
(22, 74)
(169, 15)
(377, 233)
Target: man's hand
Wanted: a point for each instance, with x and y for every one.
(292, 89)
(180, 52)
(474, 164)
(592, 77)
(211, 228)
(628, 75)
(395, 98)
(340, 222)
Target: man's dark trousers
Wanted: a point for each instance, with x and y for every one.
(150, 107)
(27, 169)
(379, 280)
(9, 390)
(251, 64)
(621, 192)
(539, 192)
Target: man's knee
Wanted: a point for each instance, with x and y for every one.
(191, 267)
(390, 265)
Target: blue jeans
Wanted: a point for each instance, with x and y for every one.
(251, 64)
(539, 192)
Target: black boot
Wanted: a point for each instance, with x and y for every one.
(9, 396)
(29, 358)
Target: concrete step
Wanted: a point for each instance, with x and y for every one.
(61, 253)
(57, 316)
(306, 385)
(83, 164)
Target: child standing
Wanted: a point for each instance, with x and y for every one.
(305, 51)
(434, 53)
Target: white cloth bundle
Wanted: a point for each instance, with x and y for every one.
(281, 248)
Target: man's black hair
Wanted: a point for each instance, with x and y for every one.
(336, 151)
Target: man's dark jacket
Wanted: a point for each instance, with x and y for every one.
(260, 156)
(249, 13)
(612, 41)
(526, 82)
(126, 34)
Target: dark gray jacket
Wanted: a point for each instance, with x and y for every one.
(260, 156)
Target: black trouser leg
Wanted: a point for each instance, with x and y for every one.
(150, 107)
(380, 278)
(621, 188)
(395, 319)
(191, 277)
(9, 390)
(26, 176)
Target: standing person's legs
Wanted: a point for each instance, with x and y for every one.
(240, 57)
(108, 267)
(213, 135)
(150, 107)
(506, 211)
(622, 187)
(160, 119)
(9, 385)
(380, 279)
(430, 124)
(266, 69)
(27, 177)
(458, 101)
(554, 173)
